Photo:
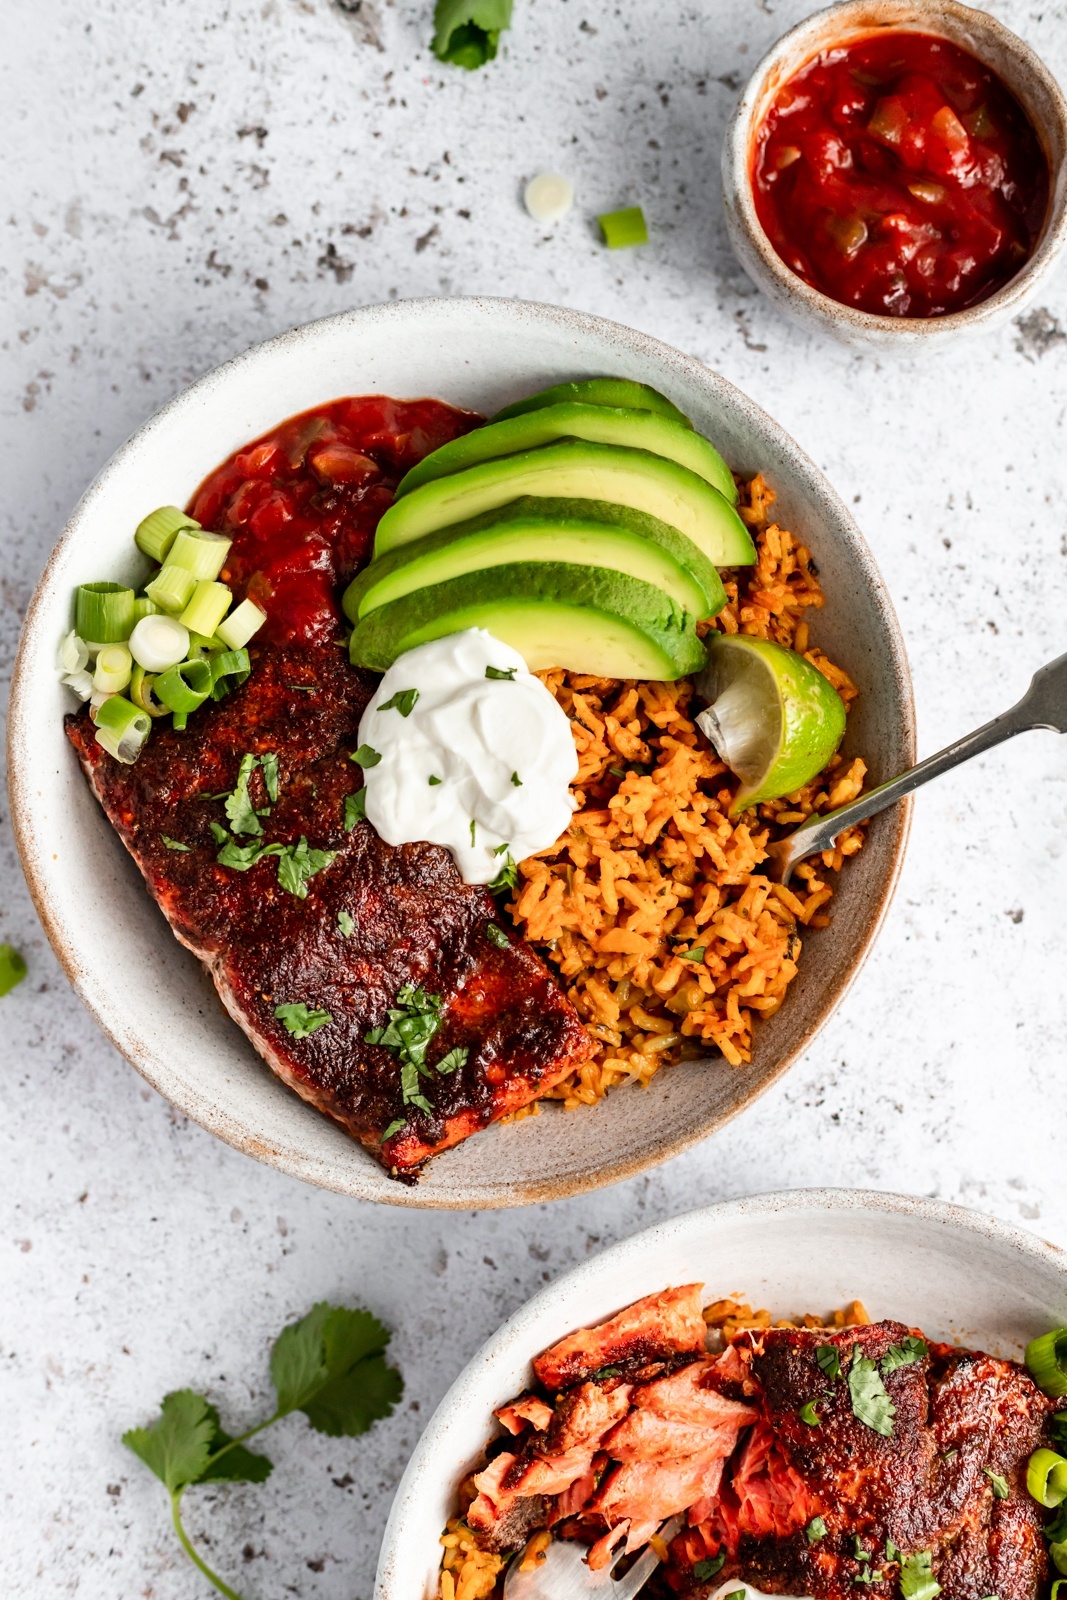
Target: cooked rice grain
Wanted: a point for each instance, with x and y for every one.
(667, 936)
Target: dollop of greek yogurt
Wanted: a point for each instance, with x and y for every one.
(474, 754)
(738, 1586)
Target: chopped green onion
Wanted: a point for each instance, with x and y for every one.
(121, 728)
(228, 664)
(1059, 1588)
(624, 228)
(157, 532)
(81, 683)
(179, 720)
(159, 642)
(206, 609)
(103, 613)
(1046, 1358)
(199, 552)
(1046, 1478)
(114, 664)
(141, 692)
(243, 621)
(12, 968)
(172, 588)
(184, 687)
(72, 655)
(143, 607)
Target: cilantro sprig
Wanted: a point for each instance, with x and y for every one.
(870, 1402)
(413, 1021)
(330, 1365)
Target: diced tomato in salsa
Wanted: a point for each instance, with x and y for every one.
(302, 503)
(899, 175)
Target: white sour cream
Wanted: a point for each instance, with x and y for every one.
(750, 1592)
(500, 748)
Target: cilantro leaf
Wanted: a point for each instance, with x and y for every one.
(508, 875)
(807, 1413)
(456, 1057)
(346, 924)
(696, 954)
(703, 1570)
(892, 1551)
(330, 1365)
(174, 844)
(909, 1350)
(176, 1447)
(497, 936)
(815, 1530)
(516, 781)
(366, 756)
(870, 1402)
(412, 1023)
(301, 1020)
(238, 1464)
(403, 701)
(506, 674)
(394, 1127)
(432, 782)
(917, 1581)
(1058, 1428)
(269, 763)
(829, 1360)
(297, 864)
(1001, 1487)
(242, 856)
(466, 31)
(240, 811)
(355, 808)
(218, 831)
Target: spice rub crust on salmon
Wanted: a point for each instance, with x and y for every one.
(826, 1462)
(412, 919)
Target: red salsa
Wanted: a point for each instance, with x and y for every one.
(302, 502)
(899, 175)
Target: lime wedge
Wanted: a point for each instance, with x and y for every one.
(772, 717)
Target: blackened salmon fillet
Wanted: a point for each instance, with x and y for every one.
(375, 919)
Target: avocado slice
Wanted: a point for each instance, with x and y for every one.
(575, 469)
(599, 392)
(585, 619)
(641, 430)
(588, 533)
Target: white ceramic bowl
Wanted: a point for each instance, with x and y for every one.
(91, 899)
(956, 1274)
(993, 44)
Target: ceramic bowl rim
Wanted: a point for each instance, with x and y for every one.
(521, 1324)
(830, 313)
(236, 1131)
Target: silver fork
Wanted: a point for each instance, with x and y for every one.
(1044, 705)
(564, 1575)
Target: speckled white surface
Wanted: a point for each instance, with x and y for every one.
(184, 178)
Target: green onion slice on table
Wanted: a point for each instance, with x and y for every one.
(1046, 1357)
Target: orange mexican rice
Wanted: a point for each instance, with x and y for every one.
(652, 907)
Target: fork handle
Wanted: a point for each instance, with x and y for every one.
(820, 833)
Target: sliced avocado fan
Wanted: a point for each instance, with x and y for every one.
(584, 619)
(599, 392)
(585, 533)
(578, 470)
(640, 430)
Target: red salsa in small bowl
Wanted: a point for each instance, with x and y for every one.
(898, 174)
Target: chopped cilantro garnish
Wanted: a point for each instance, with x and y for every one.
(807, 1413)
(433, 781)
(506, 674)
(304, 688)
(474, 826)
(870, 1402)
(737, 1594)
(403, 701)
(917, 1581)
(355, 808)
(413, 1021)
(612, 1372)
(859, 1549)
(829, 1360)
(243, 856)
(269, 764)
(456, 1057)
(366, 756)
(346, 925)
(394, 1127)
(298, 864)
(1001, 1488)
(619, 772)
(516, 780)
(174, 844)
(219, 831)
(815, 1530)
(239, 808)
(892, 1551)
(909, 1350)
(703, 1570)
(508, 875)
(300, 1020)
(696, 954)
(497, 936)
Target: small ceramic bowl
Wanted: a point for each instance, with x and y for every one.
(957, 1275)
(480, 354)
(997, 47)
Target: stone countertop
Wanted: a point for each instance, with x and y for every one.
(186, 178)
